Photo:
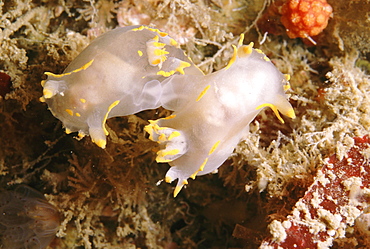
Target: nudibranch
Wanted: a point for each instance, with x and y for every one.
(212, 112)
(118, 74)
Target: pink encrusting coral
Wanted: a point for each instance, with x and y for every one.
(27, 220)
(335, 199)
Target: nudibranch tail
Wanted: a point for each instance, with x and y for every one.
(281, 105)
(180, 184)
(284, 106)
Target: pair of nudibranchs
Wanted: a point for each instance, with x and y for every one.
(136, 68)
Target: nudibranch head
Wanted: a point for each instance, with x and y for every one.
(213, 112)
(118, 74)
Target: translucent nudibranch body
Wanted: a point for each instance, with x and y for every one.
(135, 68)
(118, 74)
(212, 112)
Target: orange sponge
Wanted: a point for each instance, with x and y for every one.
(305, 18)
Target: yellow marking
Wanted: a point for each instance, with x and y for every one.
(259, 51)
(286, 87)
(77, 114)
(47, 93)
(194, 175)
(42, 99)
(168, 179)
(115, 103)
(156, 38)
(158, 128)
(83, 100)
(43, 83)
(139, 28)
(160, 52)
(162, 160)
(84, 67)
(174, 134)
(153, 127)
(287, 77)
(159, 44)
(291, 113)
(140, 53)
(183, 64)
(169, 117)
(163, 34)
(273, 108)
(68, 131)
(81, 135)
(180, 69)
(162, 138)
(241, 39)
(203, 92)
(149, 129)
(201, 168)
(214, 147)
(245, 50)
(163, 153)
(232, 60)
(156, 61)
(185, 182)
(69, 111)
(266, 58)
(163, 58)
(101, 143)
(177, 190)
(166, 74)
(173, 42)
(55, 75)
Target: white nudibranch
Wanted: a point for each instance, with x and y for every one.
(118, 74)
(213, 112)
(131, 69)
